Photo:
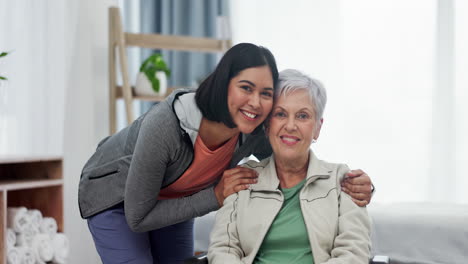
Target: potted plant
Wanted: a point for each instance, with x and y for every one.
(152, 78)
(3, 54)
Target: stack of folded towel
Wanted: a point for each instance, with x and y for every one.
(32, 238)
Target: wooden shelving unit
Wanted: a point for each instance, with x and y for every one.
(120, 40)
(32, 182)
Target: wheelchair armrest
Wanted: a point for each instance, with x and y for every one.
(202, 259)
(380, 260)
(198, 259)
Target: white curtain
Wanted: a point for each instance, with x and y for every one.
(396, 92)
(461, 98)
(32, 100)
(56, 99)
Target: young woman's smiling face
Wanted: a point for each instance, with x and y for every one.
(293, 126)
(250, 97)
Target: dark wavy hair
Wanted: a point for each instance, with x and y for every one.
(211, 95)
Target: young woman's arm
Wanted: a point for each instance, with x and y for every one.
(356, 184)
(158, 147)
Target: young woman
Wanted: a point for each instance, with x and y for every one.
(143, 186)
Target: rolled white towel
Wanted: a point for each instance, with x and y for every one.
(25, 238)
(17, 218)
(61, 248)
(27, 255)
(35, 217)
(48, 226)
(11, 238)
(14, 255)
(42, 247)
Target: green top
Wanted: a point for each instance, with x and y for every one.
(287, 240)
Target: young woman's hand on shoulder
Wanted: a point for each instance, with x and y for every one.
(234, 180)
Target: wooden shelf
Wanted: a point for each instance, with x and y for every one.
(10, 185)
(149, 98)
(120, 40)
(28, 159)
(174, 42)
(34, 182)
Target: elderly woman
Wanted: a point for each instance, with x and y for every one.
(296, 213)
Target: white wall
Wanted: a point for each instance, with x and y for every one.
(394, 73)
(86, 109)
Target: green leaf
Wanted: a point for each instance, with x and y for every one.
(144, 65)
(155, 84)
(3, 54)
(151, 75)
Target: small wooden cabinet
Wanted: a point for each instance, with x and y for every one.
(32, 182)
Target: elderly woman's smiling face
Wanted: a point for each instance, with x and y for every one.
(293, 125)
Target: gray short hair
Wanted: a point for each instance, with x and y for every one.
(292, 80)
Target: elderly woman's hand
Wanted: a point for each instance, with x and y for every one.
(359, 186)
(234, 180)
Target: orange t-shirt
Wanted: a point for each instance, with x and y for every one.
(207, 166)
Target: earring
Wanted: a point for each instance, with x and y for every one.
(314, 141)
